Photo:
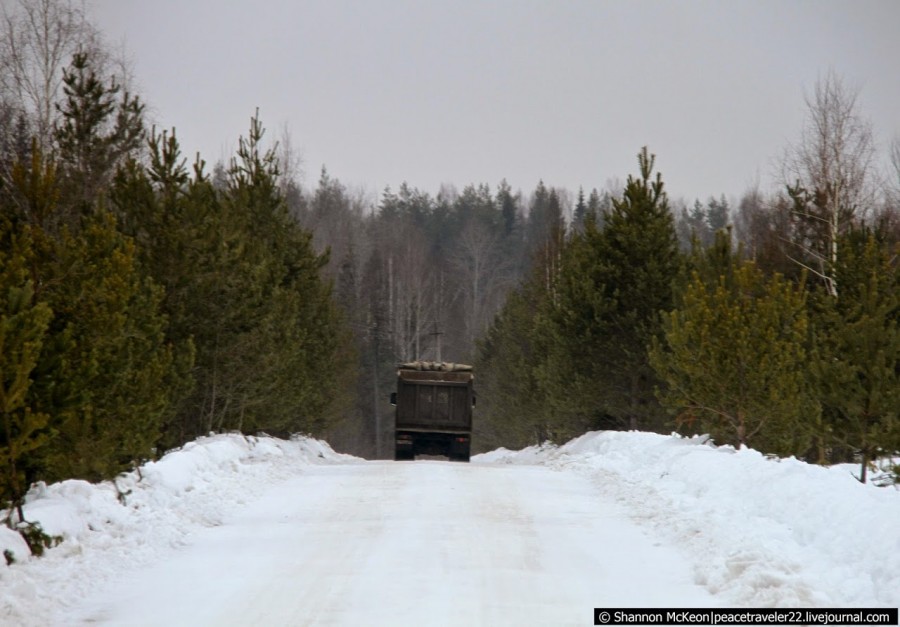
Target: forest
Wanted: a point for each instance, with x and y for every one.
(148, 298)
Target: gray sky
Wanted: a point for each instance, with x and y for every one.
(471, 91)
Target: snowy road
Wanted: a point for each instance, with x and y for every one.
(237, 530)
(409, 543)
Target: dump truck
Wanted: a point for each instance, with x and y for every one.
(434, 403)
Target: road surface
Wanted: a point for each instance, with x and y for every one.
(409, 543)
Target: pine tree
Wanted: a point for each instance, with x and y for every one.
(510, 355)
(23, 328)
(640, 265)
(857, 361)
(98, 129)
(243, 287)
(601, 311)
(191, 246)
(102, 373)
(511, 408)
(733, 359)
(119, 363)
(576, 329)
(298, 345)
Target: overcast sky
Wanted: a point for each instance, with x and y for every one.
(472, 91)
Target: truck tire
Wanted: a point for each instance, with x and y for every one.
(460, 457)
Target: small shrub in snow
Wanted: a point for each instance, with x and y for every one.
(36, 538)
(889, 474)
(121, 494)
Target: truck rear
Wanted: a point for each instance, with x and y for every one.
(434, 402)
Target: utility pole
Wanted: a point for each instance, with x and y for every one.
(375, 391)
(437, 342)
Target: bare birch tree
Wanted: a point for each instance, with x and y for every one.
(830, 175)
(410, 281)
(894, 185)
(484, 277)
(37, 41)
(290, 162)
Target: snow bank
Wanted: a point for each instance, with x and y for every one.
(111, 528)
(761, 531)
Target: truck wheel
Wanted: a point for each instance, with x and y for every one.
(461, 457)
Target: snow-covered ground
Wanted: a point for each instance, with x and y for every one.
(166, 505)
(759, 531)
(233, 530)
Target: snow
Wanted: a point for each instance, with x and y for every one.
(424, 543)
(234, 530)
(169, 501)
(761, 531)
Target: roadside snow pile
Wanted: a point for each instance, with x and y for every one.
(194, 487)
(761, 531)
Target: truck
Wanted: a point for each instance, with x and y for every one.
(433, 416)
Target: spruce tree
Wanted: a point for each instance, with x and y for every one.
(508, 210)
(717, 214)
(578, 216)
(711, 263)
(598, 206)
